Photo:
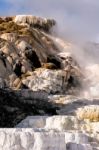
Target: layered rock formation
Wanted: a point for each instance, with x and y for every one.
(27, 139)
(34, 21)
(40, 76)
(30, 59)
(24, 47)
(77, 134)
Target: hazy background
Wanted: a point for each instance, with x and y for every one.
(77, 19)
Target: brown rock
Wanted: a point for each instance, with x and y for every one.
(49, 66)
(16, 82)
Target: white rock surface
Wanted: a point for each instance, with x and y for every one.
(29, 139)
(47, 80)
(42, 80)
(78, 134)
(34, 20)
(49, 141)
(33, 122)
(28, 19)
(60, 123)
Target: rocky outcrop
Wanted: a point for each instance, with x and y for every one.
(30, 59)
(25, 46)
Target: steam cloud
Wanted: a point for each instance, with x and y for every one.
(78, 21)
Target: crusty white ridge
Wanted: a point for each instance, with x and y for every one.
(29, 139)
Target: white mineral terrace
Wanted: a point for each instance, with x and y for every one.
(29, 139)
(55, 86)
(51, 133)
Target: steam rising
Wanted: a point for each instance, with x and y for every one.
(78, 20)
(77, 31)
(87, 57)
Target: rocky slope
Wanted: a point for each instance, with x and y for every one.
(26, 46)
(30, 59)
(40, 76)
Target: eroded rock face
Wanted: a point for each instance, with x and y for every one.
(25, 44)
(26, 47)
